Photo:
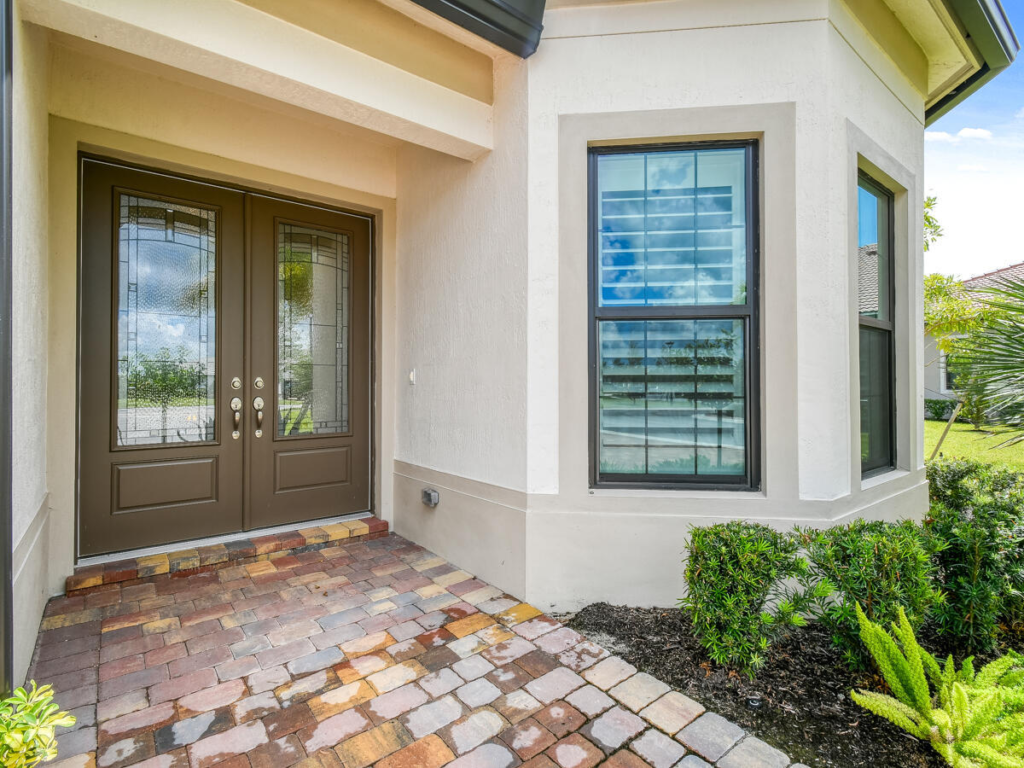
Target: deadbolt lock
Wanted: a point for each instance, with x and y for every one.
(257, 403)
(236, 383)
(258, 383)
(236, 404)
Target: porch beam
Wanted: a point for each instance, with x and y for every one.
(233, 43)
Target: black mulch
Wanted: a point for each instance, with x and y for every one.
(799, 701)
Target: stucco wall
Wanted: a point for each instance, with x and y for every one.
(461, 327)
(30, 289)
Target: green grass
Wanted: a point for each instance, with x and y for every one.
(964, 442)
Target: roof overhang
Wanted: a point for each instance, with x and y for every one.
(514, 25)
(989, 31)
(965, 44)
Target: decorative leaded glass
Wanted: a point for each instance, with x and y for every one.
(166, 324)
(313, 327)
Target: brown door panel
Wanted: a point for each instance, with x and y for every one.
(177, 302)
(310, 305)
(162, 272)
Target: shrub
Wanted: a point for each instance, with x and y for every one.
(28, 721)
(977, 519)
(971, 720)
(969, 569)
(736, 597)
(884, 567)
(937, 409)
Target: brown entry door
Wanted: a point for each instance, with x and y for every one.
(310, 346)
(185, 325)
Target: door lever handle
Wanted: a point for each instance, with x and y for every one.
(236, 408)
(258, 404)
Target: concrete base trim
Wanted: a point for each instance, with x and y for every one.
(478, 525)
(31, 577)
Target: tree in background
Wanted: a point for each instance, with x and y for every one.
(992, 356)
(932, 228)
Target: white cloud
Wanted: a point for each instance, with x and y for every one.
(963, 133)
(969, 167)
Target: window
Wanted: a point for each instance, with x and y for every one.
(673, 253)
(948, 376)
(875, 302)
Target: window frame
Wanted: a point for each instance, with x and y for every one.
(888, 326)
(748, 313)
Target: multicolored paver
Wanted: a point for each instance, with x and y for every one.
(368, 652)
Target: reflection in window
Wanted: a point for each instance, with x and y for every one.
(672, 236)
(673, 228)
(166, 322)
(313, 328)
(875, 298)
(672, 397)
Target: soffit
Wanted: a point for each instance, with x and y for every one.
(387, 34)
(951, 57)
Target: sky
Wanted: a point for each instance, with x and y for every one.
(974, 164)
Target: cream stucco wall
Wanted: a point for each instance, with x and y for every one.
(30, 289)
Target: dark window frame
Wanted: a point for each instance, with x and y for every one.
(748, 313)
(888, 326)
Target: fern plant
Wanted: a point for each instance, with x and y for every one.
(974, 720)
(28, 724)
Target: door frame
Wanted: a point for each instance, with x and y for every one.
(155, 168)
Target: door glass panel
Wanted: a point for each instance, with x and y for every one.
(167, 328)
(312, 334)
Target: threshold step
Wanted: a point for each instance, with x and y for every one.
(190, 560)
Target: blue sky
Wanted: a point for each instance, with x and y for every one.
(974, 163)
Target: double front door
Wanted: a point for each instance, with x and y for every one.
(224, 360)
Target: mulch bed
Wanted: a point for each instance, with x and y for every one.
(799, 701)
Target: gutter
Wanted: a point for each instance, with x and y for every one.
(514, 25)
(989, 30)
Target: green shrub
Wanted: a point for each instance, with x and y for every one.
(884, 567)
(937, 409)
(971, 720)
(977, 520)
(736, 597)
(28, 721)
(969, 570)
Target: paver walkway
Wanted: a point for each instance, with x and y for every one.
(369, 653)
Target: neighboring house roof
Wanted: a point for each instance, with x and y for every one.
(989, 279)
(867, 279)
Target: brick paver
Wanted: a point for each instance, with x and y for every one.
(349, 653)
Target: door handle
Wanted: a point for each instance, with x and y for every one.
(258, 404)
(236, 408)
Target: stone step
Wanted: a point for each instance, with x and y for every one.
(190, 560)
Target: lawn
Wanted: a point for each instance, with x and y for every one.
(964, 441)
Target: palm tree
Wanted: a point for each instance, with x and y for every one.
(993, 355)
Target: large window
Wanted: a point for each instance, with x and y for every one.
(674, 316)
(875, 303)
